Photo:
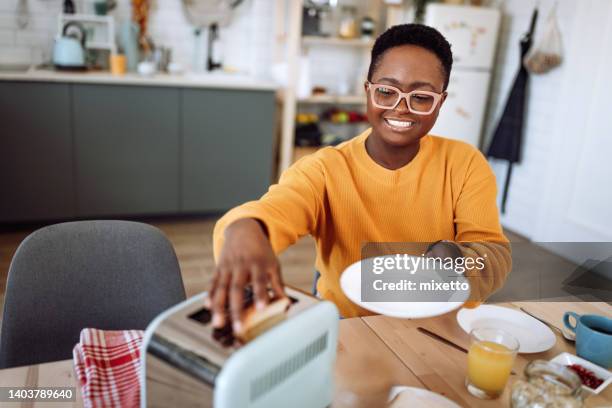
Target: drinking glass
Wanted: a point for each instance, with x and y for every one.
(490, 360)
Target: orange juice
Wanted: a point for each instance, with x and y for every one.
(489, 366)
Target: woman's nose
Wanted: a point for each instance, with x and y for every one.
(402, 106)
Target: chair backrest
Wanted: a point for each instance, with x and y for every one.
(110, 275)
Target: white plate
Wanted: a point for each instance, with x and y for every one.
(533, 335)
(350, 281)
(412, 397)
(569, 359)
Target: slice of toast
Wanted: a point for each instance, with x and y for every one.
(256, 321)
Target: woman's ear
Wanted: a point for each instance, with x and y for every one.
(444, 95)
(365, 86)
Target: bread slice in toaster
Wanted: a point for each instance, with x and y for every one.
(256, 321)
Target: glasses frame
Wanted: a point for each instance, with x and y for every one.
(403, 95)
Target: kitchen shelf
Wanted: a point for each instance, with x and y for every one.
(91, 21)
(354, 42)
(335, 99)
(290, 48)
(97, 45)
(87, 18)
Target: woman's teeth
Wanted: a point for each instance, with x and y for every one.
(402, 124)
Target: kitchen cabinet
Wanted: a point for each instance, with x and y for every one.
(36, 162)
(227, 147)
(84, 150)
(126, 149)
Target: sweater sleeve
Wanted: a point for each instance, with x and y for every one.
(478, 230)
(289, 210)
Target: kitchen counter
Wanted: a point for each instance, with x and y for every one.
(188, 80)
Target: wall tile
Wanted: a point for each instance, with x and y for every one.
(245, 37)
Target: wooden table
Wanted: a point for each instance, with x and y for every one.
(378, 350)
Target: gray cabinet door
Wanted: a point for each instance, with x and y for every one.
(126, 149)
(35, 152)
(227, 147)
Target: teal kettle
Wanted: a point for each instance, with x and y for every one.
(69, 50)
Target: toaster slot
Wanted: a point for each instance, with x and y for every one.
(204, 315)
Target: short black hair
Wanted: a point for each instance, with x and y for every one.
(413, 34)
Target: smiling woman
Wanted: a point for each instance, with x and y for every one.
(393, 183)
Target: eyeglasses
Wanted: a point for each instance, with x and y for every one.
(388, 97)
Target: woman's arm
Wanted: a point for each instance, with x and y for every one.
(247, 238)
(289, 210)
(478, 231)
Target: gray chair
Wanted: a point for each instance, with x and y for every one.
(109, 275)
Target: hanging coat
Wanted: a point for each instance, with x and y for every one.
(507, 139)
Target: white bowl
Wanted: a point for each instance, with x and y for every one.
(146, 68)
(569, 359)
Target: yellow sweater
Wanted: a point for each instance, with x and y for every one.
(344, 199)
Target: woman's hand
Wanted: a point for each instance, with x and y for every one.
(246, 258)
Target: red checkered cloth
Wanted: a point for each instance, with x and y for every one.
(107, 365)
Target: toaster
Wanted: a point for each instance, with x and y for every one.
(188, 363)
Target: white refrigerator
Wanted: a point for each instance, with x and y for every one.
(472, 33)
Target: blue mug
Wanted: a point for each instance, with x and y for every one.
(593, 337)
